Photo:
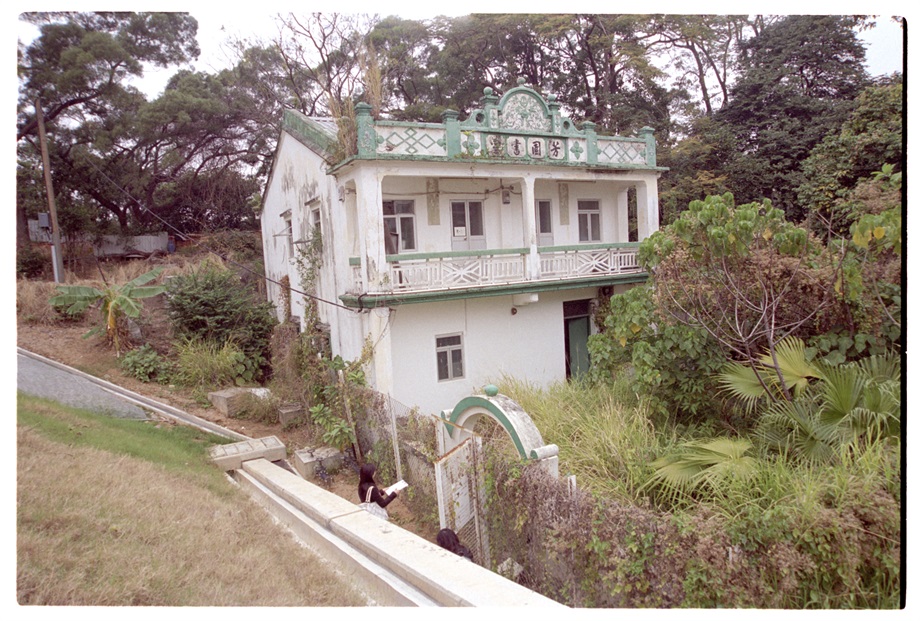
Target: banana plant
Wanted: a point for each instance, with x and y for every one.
(115, 303)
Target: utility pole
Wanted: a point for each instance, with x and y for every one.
(57, 258)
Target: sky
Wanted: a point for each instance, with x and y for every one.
(217, 23)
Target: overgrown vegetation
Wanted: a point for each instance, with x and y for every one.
(117, 304)
(715, 522)
(211, 313)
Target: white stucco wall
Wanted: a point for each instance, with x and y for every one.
(527, 345)
(299, 184)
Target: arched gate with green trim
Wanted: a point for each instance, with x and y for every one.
(458, 471)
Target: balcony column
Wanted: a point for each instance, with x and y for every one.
(622, 215)
(528, 204)
(369, 211)
(378, 323)
(647, 207)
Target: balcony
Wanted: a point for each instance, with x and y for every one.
(445, 275)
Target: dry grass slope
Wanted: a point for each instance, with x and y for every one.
(96, 528)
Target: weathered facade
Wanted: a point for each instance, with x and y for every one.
(465, 250)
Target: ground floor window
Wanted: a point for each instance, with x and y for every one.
(449, 350)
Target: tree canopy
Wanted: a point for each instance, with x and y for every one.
(743, 104)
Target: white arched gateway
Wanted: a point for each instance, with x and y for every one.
(458, 473)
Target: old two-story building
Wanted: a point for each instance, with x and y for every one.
(462, 251)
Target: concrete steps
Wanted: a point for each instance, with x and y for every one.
(396, 567)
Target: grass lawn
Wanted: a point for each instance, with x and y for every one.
(113, 512)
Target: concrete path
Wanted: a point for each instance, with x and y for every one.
(40, 379)
(46, 378)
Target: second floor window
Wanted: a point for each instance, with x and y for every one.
(589, 221)
(468, 228)
(399, 226)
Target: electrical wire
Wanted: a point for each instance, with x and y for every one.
(212, 250)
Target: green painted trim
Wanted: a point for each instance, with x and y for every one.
(307, 132)
(588, 247)
(376, 300)
(473, 402)
(479, 159)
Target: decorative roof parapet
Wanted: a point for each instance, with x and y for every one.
(520, 127)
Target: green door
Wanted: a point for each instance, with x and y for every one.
(577, 316)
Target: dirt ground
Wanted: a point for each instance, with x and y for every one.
(65, 343)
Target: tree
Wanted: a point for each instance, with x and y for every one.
(80, 62)
(606, 75)
(79, 67)
(407, 50)
(702, 51)
(190, 159)
(672, 365)
(743, 274)
(696, 167)
(872, 136)
(798, 79)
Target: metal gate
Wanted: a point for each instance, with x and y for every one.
(461, 497)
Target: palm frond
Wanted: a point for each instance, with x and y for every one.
(841, 391)
(881, 368)
(797, 371)
(741, 382)
(702, 464)
(791, 426)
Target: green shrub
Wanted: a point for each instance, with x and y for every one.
(146, 364)
(30, 263)
(672, 365)
(210, 304)
(337, 433)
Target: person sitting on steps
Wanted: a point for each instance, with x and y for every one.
(370, 493)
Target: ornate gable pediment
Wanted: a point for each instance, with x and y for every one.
(524, 111)
(521, 125)
(521, 109)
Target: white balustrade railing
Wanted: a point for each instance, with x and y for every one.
(442, 271)
(568, 263)
(452, 272)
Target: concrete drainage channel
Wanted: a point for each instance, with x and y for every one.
(392, 565)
